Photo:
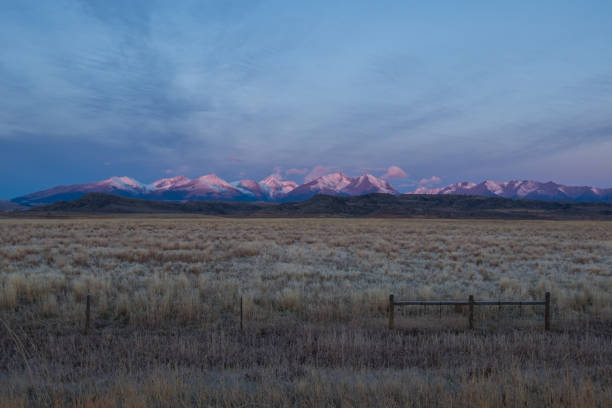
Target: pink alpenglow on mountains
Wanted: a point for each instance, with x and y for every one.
(209, 184)
(523, 189)
(329, 183)
(212, 187)
(124, 186)
(369, 184)
(251, 188)
(274, 188)
(340, 184)
(170, 183)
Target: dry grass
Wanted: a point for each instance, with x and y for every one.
(315, 294)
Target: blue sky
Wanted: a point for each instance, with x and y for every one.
(457, 90)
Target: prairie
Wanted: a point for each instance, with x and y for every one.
(166, 293)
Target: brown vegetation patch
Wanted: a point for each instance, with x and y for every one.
(165, 301)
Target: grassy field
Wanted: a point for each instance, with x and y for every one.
(165, 312)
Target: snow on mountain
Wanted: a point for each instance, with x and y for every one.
(170, 183)
(369, 184)
(180, 188)
(334, 182)
(124, 186)
(275, 187)
(212, 187)
(123, 183)
(208, 182)
(208, 187)
(340, 184)
(451, 189)
(251, 188)
(331, 184)
(523, 189)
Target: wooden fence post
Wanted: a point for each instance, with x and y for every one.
(391, 307)
(547, 312)
(484, 323)
(87, 310)
(471, 317)
(240, 313)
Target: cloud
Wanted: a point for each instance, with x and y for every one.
(395, 172)
(371, 170)
(157, 85)
(319, 171)
(233, 159)
(429, 181)
(296, 171)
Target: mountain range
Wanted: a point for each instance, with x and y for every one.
(273, 189)
(212, 188)
(523, 189)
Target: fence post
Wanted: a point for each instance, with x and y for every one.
(240, 313)
(547, 312)
(484, 323)
(87, 310)
(471, 317)
(391, 307)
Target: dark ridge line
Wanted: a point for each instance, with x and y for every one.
(374, 205)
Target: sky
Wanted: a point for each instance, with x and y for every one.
(423, 93)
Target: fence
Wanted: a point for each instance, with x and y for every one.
(471, 303)
(392, 303)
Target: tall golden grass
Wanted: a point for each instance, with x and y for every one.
(315, 295)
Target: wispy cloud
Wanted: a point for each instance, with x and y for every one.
(296, 171)
(199, 85)
(395, 172)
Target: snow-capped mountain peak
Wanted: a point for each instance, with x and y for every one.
(123, 183)
(522, 189)
(273, 178)
(251, 188)
(369, 184)
(250, 184)
(334, 182)
(208, 183)
(212, 179)
(466, 184)
(378, 182)
(493, 186)
(340, 184)
(168, 183)
(275, 186)
(526, 187)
